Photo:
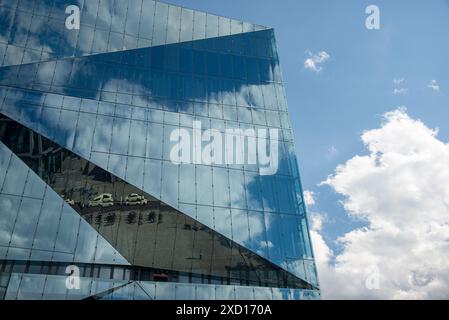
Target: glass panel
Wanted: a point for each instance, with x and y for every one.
(170, 174)
(134, 168)
(103, 134)
(89, 12)
(236, 26)
(26, 223)
(152, 179)
(258, 233)
(263, 294)
(104, 14)
(165, 291)
(147, 19)
(186, 180)
(160, 23)
(224, 26)
(199, 28)
(34, 187)
(48, 222)
(185, 292)
(31, 287)
(285, 197)
(133, 17)
(84, 134)
(68, 231)
(237, 184)
(212, 26)
(154, 146)
(14, 182)
(240, 228)
(120, 136)
(205, 292)
(224, 293)
(223, 221)
(119, 16)
(186, 25)
(174, 24)
(242, 293)
(221, 187)
(85, 246)
(55, 288)
(273, 226)
(204, 184)
(9, 207)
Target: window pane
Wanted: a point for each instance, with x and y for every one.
(146, 23)
(174, 24)
(199, 28)
(48, 221)
(160, 23)
(212, 26)
(186, 25)
(26, 223)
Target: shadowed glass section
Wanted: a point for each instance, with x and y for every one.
(234, 71)
(145, 230)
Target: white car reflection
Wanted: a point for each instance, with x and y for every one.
(69, 201)
(103, 200)
(135, 199)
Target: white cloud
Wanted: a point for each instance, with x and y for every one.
(309, 197)
(433, 84)
(398, 82)
(315, 61)
(399, 86)
(400, 91)
(401, 190)
(331, 152)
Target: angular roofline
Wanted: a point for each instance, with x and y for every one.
(214, 14)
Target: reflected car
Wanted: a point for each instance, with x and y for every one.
(135, 199)
(103, 200)
(69, 201)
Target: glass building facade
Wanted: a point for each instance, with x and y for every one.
(86, 173)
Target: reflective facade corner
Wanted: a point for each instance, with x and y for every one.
(86, 171)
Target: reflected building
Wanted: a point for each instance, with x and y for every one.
(86, 177)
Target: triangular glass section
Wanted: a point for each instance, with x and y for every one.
(127, 291)
(36, 224)
(37, 31)
(146, 231)
(113, 293)
(161, 72)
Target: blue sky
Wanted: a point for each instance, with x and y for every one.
(331, 109)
